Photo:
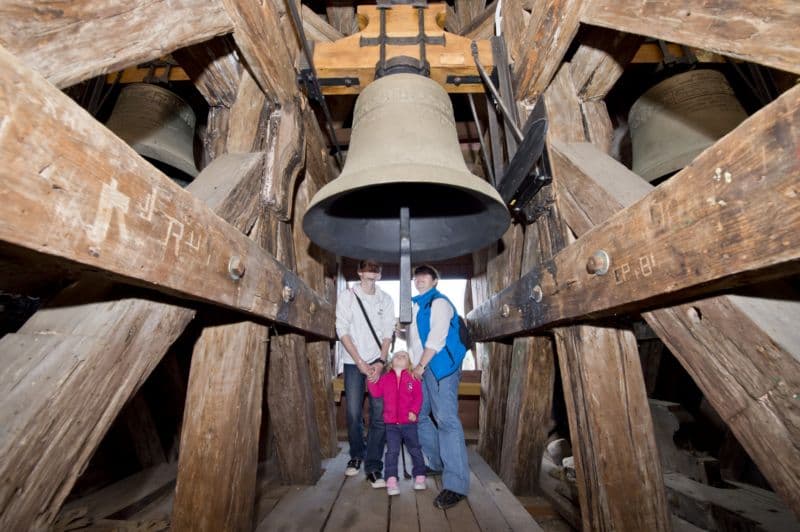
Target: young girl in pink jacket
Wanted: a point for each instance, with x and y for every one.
(402, 399)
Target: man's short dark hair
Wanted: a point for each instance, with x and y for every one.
(369, 265)
(427, 268)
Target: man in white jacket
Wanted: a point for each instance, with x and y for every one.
(365, 322)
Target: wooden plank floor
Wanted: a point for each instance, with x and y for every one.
(337, 503)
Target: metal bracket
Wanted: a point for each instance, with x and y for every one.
(462, 80)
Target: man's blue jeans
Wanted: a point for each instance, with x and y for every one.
(444, 447)
(355, 384)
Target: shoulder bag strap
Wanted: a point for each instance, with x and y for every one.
(371, 329)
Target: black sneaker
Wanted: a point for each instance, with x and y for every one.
(375, 480)
(447, 499)
(352, 467)
(432, 472)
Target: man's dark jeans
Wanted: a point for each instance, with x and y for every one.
(355, 384)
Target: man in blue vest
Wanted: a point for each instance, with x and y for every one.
(437, 352)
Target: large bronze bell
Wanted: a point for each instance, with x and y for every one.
(680, 117)
(404, 152)
(159, 125)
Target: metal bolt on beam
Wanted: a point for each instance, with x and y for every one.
(288, 294)
(505, 311)
(236, 267)
(598, 263)
(536, 293)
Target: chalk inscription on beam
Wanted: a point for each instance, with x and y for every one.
(71, 189)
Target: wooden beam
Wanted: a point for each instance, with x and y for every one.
(600, 60)
(764, 33)
(504, 263)
(214, 68)
(316, 28)
(75, 191)
(620, 486)
(619, 474)
(552, 26)
(740, 350)
(712, 217)
(287, 151)
(342, 16)
(257, 30)
(71, 42)
(219, 441)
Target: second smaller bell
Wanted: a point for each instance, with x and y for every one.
(159, 125)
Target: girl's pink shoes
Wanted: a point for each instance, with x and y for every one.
(391, 486)
(419, 482)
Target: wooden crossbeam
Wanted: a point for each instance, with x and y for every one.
(73, 190)
(550, 31)
(258, 33)
(737, 349)
(730, 216)
(68, 42)
(761, 32)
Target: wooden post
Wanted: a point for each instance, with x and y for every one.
(620, 483)
(503, 267)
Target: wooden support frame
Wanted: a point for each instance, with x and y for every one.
(764, 33)
(711, 217)
(347, 58)
(103, 37)
(734, 347)
(123, 216)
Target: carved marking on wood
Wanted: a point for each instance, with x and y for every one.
(111, 201)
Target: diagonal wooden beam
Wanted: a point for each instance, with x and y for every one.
(73, 190)
(760, 32)
(600, 60)
(316, 28)
(703, 229)
(550, 31)
(214, 68)
(257, 30)
(68, 42)
(738, 349)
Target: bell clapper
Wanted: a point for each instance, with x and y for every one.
(405, 266)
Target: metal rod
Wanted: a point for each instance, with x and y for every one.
(298, 25)
(484, 151)
(495, 95)
(382, 40)
(405, 266)
(422, 58)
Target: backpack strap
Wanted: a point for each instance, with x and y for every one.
(371, 329)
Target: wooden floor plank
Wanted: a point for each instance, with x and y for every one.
(359, 508)
(459, 517)
(307, 508)
(430, 517)
(403, 508)
(515, 515)
(486, 512)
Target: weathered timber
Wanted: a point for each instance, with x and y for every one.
(286, 156)
(69, 371)
(289, 396)
(219, 440)
(213, 68)
(514, 25)
(243, 123)
(311, 268)
(503, 266)
(740, 350)
(620, 483)
(316, 28)
(103, 37)
(342, 16)
(712, 217)
(599, 129)
(257, 30)
(600, 60)
(215, 134)
(482, 26)
(143, 433)
(613, 495)
(63, 418)
(75, 191)
(528, 411)
(763, 33)
(550, 31)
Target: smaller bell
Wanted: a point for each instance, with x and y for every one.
(680, 117)
(159, 125)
